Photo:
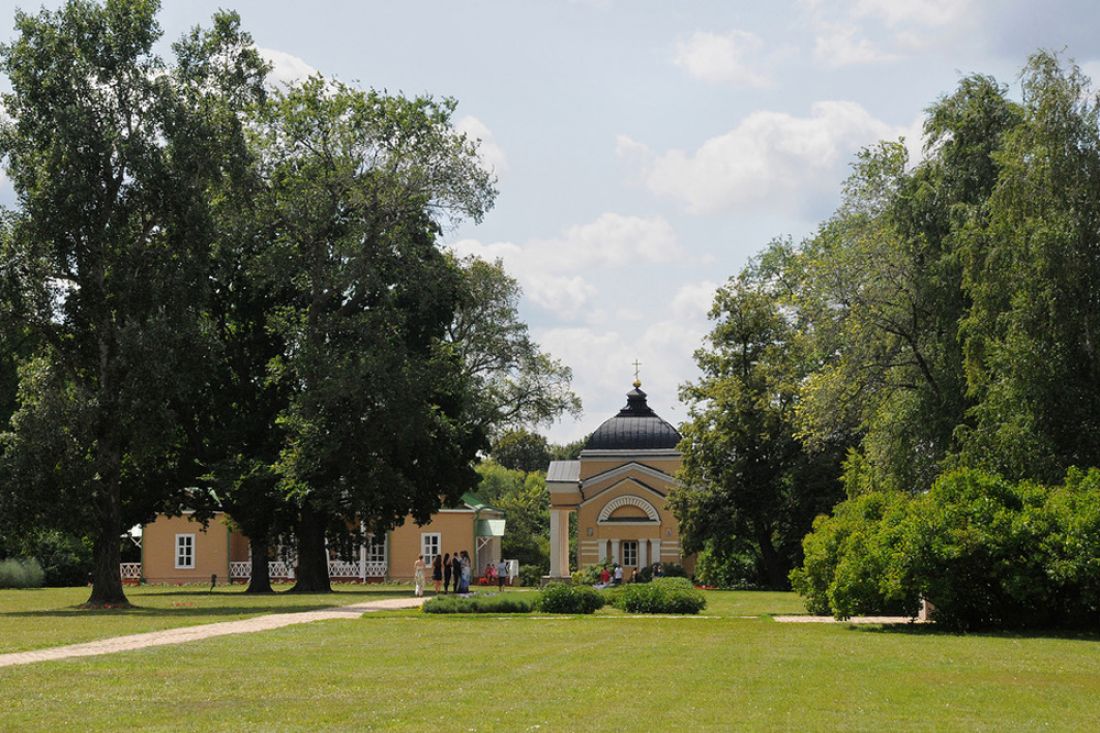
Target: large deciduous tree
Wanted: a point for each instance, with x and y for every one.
(1032, 273)
(747, 480)
(515, 383)
(378, 421)
(882, 288)
(111, 152)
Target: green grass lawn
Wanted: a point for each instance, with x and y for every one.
(608, 672)
(40, 617)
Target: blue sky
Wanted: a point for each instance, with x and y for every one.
(645, 150)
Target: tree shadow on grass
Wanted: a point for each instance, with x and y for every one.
(932, 631)
(172, 611)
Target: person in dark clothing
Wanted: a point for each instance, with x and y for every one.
(447, 572)
(437, 572)
(456, 571)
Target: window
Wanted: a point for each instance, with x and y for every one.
(185, 551)
(376, 549)
(429, 546)
(630, 553)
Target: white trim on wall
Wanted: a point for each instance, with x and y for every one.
(628, 500)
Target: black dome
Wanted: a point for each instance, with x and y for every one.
(635, 427)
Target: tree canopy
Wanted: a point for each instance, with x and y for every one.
(111, 152)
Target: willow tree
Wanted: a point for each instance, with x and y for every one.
(111, 151)
(378, 421)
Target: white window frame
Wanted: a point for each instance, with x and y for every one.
(428, 548)
(630, 547)
(185, 551)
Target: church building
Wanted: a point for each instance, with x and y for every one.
(618, 491)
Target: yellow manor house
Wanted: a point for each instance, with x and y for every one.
(181, 551)
(618, 490)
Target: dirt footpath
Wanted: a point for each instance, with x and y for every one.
(205, 631)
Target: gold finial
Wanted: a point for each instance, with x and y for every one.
(637, 379)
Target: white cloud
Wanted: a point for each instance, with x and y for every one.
(286, 69)
(722, 57)
(492, 155)
(840, 45)
(899, 27)
(551, 271)
(693, 300)
(602, 361)
(771, 160)
(927, 13)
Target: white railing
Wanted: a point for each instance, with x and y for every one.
(342, 569)
(130, 570)
(276, 569)
(279, 569)
(376, 569)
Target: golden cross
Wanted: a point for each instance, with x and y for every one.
(637, 366)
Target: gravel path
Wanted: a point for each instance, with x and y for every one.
(205, 631)
(852, 620)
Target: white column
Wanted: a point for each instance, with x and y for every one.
(656, 550)
(601, 550)
(615, 552)
(641, 554)
(557, 534)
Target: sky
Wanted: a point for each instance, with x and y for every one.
(645, 150)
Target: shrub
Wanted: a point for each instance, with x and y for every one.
(65, 559)
(530, 575)
(562, 598)
(844, 559)
(985, 552)
(673, 570)
(480, 603)
(21, 573)
(591, 575)
(663, 595)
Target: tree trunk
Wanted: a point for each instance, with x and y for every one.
(312, 570)
(259, 580)
(774, 567)
(106, 573)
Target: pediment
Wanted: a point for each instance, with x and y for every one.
(657, 478)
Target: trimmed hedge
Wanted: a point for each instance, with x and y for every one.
(662, 595)
(562, 598)
(480, 603)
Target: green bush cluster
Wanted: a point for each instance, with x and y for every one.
(590, 575)
(985, 552)
(21, 573)
(563, 598)
(66, 559)
(480, 603)
(530, 575)
(662, 595)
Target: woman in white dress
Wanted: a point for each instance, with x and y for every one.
(418, 576)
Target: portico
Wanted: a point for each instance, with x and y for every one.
(618, 490)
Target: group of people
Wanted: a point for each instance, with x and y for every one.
(444, 568)
(450, 567)
(611, 577)
(497, 572)
(455, 567)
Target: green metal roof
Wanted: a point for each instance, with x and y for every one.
(489, 528)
